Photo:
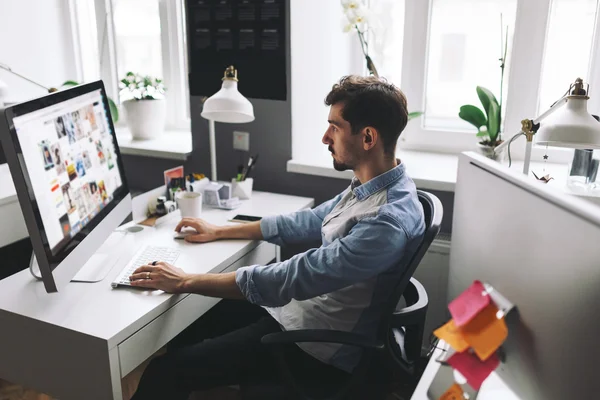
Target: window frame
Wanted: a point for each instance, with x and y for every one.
(174, 57)
(521, 100)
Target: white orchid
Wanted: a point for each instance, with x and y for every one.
(351, 4)
(346, 25)
(358, 16)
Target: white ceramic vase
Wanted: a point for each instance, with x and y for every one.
(145, 118)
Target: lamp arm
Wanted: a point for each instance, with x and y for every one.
(529, 143)
(7, 68)
(551, 110)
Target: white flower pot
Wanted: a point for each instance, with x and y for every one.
(145, 118)
(490, 152)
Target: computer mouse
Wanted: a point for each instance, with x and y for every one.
(181, 235)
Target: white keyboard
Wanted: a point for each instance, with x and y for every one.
(146, 255)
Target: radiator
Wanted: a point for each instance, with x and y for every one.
(433, 275)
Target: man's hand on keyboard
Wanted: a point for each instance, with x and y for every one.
(162, 276)
(205, 232)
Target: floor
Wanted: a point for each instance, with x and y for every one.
(9, 391)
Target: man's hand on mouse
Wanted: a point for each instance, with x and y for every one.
(205, 232)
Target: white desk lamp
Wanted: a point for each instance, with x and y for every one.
(3, 93)
(227, 105)
(4, 88)
(568, 125)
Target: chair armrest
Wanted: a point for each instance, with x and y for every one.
(412, 314)
(322, 336)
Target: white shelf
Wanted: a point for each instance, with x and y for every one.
(173, 145)
(430, 171)
(436, 171)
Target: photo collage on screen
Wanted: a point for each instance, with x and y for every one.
(80, 165)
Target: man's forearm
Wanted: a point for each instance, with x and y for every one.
(241, 231)
(213, 285)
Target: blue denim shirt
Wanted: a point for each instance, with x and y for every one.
(369, 233)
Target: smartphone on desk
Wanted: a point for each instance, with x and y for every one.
(245, 218)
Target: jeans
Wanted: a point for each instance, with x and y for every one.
(223, 348)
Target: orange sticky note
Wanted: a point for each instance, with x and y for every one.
(453, 336)
(485, 333)
(454, 393)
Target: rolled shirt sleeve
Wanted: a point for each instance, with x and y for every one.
(298, 227)
(372, 246)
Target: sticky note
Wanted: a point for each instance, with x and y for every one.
(485, 333)
(453, 336)
(469, 303)
(472, 368)
(454, 393)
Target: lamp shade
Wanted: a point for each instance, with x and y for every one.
(570, 126)
(228, 105)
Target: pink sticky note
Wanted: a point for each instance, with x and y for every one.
(472, 368)
(469, 303)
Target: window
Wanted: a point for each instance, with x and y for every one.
(143, 36)
(138, 35)
(568, 48)
(464, 51)
(448, 52)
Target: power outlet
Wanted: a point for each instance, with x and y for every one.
(241, 141)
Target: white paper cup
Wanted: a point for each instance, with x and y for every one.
(190, 204)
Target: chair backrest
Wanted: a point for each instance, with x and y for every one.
(433, 211)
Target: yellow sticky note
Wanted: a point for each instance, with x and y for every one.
(454, 393)
(485, 333)
(453, 336)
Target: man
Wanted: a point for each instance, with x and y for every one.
(369, 233)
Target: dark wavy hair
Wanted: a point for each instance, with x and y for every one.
(371, 101)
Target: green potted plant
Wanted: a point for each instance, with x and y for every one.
(489, 121)
(488, 124)
(144, 103)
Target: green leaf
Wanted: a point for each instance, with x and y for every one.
(493, 123)
(492, 109)
(70, 83)
(415, 114)
(486, 97)
(473, 115)
(482, 133)
(114, 110)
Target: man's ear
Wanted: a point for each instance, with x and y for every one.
(370, 138)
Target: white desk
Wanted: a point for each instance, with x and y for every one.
(79, 343)
(10, 211)
(493, 388)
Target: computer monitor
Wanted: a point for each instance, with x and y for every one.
(540, 249)
(67, 169)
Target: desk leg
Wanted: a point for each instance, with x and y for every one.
(278, 253)
(115, 373)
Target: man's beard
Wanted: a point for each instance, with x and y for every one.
(340, 166)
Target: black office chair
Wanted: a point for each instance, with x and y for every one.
(406, 323)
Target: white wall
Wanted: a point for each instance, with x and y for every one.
(320, 55)
(35, 41)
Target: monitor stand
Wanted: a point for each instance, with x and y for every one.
(96, 268)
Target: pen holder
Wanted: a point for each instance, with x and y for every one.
(242, 189)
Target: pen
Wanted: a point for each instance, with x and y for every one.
(251, 164)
